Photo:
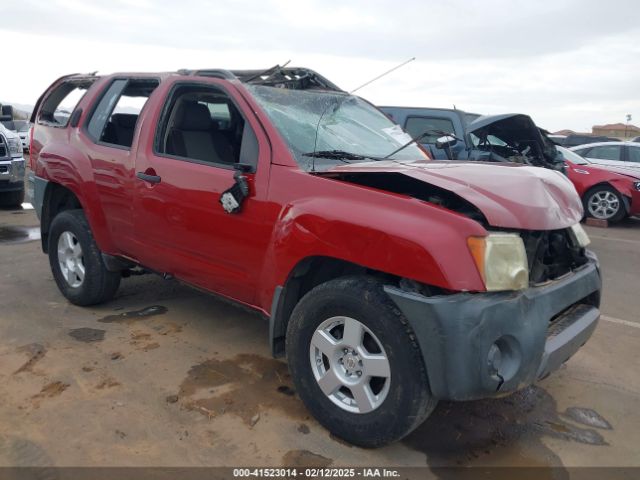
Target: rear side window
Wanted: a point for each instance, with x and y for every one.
(416, 126)
(605, 152)
(60, 103)
(114, 119)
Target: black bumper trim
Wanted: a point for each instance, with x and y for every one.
(456, 332)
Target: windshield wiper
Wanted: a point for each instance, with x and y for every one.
(420, 137)
(338, 155)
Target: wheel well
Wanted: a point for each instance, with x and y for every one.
(307, 274)
(625, 199)
(56, 199)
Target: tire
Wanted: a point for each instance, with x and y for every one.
(610, 198)
(96, 284)
(12, 199)
(401, 402)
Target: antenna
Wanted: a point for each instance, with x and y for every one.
(383, 74)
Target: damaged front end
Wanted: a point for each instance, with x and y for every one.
(511, 138)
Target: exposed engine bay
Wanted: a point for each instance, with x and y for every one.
(551, 254)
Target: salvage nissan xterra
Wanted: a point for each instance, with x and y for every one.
(389, 281)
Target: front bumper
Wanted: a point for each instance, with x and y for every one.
(478, 345)
(12, 174)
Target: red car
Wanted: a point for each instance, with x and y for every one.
(390, 281)
(608, 192)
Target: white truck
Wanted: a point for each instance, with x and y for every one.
(12, 166)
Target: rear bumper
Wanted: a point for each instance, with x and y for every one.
(488, 344)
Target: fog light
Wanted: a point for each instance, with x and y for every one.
(504, 359)
(494, 359)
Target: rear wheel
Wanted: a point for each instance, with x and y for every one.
(12, 199)
(355, 362)
(76, 262)
(605, 203)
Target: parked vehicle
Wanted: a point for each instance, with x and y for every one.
(11, 169)
(21, 128)
(637, 139)
(622, 154)
(416, 121)
(281, 192)
(508, 137)
(608, 192)
(577, 140)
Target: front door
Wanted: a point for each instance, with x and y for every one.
(188, 162)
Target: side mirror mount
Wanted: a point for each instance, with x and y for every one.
(447, 141)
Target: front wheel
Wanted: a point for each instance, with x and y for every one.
(605, 203)
(355, 362)
(76, 262)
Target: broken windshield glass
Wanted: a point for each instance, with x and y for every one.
(324, 128)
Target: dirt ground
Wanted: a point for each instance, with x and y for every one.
(167, 376)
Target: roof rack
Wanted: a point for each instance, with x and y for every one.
(281, 77)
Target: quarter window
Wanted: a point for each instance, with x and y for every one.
(416, 126)
(59, 104)
(634, 154)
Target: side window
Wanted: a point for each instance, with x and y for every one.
(60, 103)
(114, 119)
(583, 152)
(203, 124)
(634, 154)
(418, 125)
(605, 152)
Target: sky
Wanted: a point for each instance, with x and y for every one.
(567, 63)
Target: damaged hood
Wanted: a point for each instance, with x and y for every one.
(508, 195)
(516, 130)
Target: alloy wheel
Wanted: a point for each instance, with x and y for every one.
(350, 364)
(70, 259)
(603, 204)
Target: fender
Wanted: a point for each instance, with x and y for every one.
(65, 165)
(378, 230)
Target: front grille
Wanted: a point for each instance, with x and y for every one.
(3, 151)
(551, 254)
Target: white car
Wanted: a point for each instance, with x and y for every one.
(22, 129)
(622, 154)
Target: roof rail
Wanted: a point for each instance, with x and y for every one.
(293, 78)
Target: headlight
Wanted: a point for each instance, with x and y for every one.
(15, 146)
(501, 260)
(580, 235)
(636, 185)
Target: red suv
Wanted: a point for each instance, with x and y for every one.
(389, 281)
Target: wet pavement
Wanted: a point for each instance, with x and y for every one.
(165, 375)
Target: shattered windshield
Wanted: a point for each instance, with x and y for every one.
(338, 127)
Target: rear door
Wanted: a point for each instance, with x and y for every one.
(108, 140)
(187, 159)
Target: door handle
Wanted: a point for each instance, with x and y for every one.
(148, 178)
